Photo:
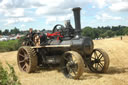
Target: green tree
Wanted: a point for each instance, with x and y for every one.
(116, 28)
(119, 32)
(96, 32)
(105, 31)
(88, 31)
(103, 35)
(15, 31)
(110, 33)
(6, 32)
(107, 28)
(0, 32)
(125, 31)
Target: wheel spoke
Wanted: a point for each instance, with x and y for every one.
(100, 65)
(24, 67)
(75, 61)
(66, 59)
(100, 56)
(27, 59)
(101, 60)
(21, 55)
(27, 66)
(96, 66)
(93, 58)
(23, 51)
(95, 55)
(21, 61)
(73, 71)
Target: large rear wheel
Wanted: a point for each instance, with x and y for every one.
(99, 61)
(73, 65)
(27, 59)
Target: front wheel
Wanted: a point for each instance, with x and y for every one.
(73, 65)
(99, 61)
(27, 59)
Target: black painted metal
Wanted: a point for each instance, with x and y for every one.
(76, 12)
(51, 48)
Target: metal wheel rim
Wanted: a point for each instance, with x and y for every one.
(23, 60)
(97, 61)
(71, 66)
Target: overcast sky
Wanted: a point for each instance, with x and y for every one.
(40, 14)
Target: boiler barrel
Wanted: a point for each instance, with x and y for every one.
(84, 45)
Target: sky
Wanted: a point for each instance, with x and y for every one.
(45, 14)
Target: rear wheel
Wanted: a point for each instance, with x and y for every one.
(27, 59)
(99, 61)
(73, 65)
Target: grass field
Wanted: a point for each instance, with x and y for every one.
(10, 45)
(117, 74)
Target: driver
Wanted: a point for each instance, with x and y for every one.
(31, 33)
(29, 36)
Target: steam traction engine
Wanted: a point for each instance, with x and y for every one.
(65, 48)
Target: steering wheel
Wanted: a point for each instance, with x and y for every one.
(58, 28)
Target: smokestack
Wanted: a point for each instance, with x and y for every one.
(76, 12)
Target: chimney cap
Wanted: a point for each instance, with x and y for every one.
(76, 8)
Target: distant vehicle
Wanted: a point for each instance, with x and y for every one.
(3, 39)
(13, 38)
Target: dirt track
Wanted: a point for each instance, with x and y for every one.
(117, 74)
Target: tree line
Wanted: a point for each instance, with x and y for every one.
(14, 31)
(98, 32)
(8, 32)
(105, 31)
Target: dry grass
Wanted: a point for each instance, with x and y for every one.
(117, 73)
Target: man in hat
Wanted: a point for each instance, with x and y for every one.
(29, 38)
(31, 33)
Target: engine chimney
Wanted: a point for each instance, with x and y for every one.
(76, 12)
